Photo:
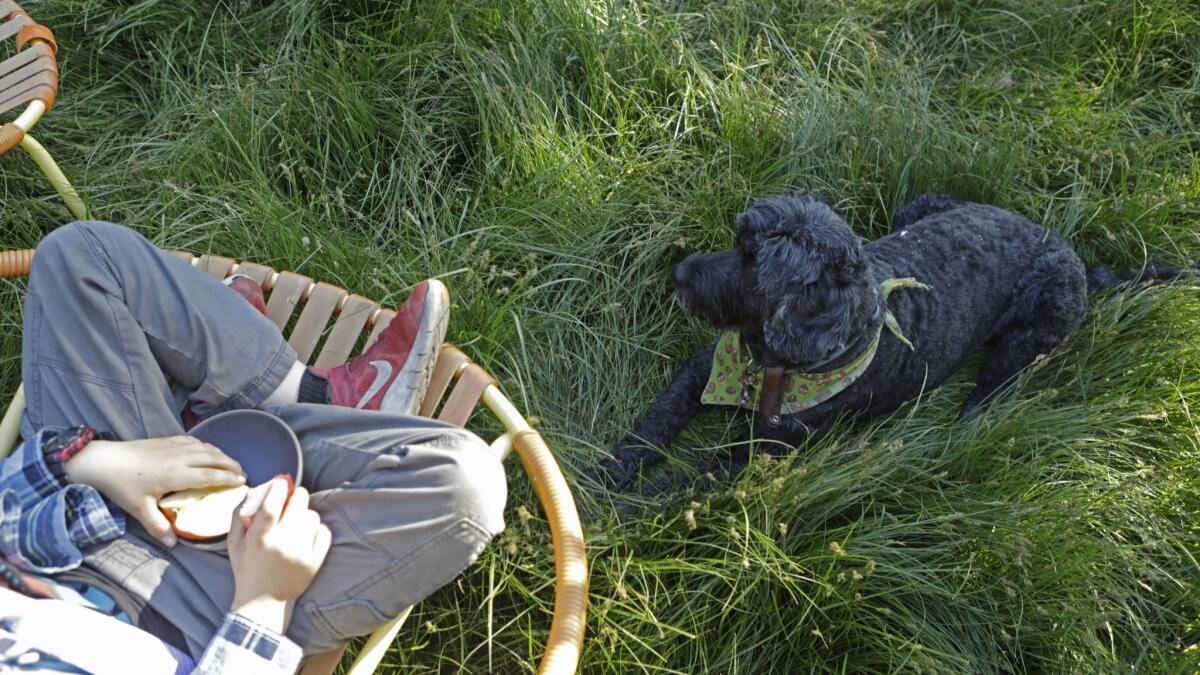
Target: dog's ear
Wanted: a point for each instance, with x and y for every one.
(812, 324)
(813, 291)
(787, 211)
(806, 197)
(787, 259)
(790, 259)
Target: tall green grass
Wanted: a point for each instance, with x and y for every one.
(551, 160)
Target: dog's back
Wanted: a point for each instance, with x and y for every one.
(995, 277)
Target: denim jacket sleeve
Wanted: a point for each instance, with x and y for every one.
(45, 522)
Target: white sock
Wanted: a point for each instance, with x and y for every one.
(288, 391)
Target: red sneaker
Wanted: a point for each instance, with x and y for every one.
(393, 373)
(249, 289)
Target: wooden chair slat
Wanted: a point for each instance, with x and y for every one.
(28, 69)
(318, 308)
(288, 292)
(14, 63)
(342, 338)
(13, 25)
(449, 360)
(381, 321)
(216, 266)
(43, 85)
(471, 383)
(260, 273)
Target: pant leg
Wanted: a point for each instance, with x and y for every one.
(109, 317)
(411, 502)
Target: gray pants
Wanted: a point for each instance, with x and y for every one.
(117, 335)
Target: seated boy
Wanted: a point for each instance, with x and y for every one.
(121, 341)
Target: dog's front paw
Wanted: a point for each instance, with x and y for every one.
(666, 486)
(613, 475)
(620, 472)
(972, 409)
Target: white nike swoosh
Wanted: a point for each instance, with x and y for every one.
(383, 371)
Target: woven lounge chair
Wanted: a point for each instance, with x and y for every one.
(352, 316)
(29, 77)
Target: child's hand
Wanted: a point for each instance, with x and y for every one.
(275, 558)
(135, 474)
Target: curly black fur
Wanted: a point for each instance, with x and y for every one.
(805, 293)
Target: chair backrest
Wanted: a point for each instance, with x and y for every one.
(30, 73)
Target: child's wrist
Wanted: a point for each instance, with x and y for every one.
(264, 610)
(81, 466)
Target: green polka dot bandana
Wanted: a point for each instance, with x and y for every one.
(736, 380)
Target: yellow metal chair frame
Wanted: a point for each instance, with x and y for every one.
(30, 77)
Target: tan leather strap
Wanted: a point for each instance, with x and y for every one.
(379, 323)
(449, 361)
(771, 396)
(285, 296)
(13, 24)
(261, 274)
(8, 8)
(36, 31)
(462, 399)
(339, 345)
(322, 301)
(11, 136)
(217, 266)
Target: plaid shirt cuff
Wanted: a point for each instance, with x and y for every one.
(59, 446)
(243, 646)
(44, 522)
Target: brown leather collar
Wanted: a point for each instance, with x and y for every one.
(770, 397)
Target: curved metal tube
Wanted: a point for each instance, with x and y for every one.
(55, 175)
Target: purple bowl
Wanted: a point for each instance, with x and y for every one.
(259, 441)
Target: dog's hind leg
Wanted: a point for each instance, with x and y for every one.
(922, 207)
(1048, 304)
(661, 423)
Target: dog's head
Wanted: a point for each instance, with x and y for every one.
(796, 286)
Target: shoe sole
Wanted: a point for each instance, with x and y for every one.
(410, 385)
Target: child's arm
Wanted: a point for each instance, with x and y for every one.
(44, 520)
(59, 487)
(274, 559)
(135, 474)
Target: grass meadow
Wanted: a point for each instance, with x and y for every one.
(551, 160)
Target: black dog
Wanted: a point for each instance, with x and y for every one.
(806, 302)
